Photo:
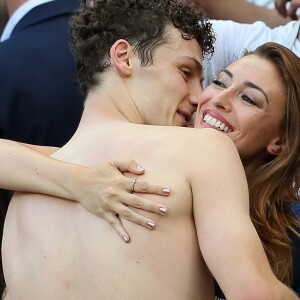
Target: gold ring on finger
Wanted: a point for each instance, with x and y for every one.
(133, 183)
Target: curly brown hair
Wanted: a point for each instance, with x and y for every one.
(96, 26)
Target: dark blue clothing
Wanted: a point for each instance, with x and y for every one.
(296, 254)
(40, 100)
(296, 260)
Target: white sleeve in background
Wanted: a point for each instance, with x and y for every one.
(232, 39)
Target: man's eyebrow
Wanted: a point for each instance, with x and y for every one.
(197, 63)
(248, 84)
(199, 67)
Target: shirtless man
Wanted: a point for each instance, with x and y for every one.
(139, 70)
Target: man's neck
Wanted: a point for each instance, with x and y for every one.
(114, 105)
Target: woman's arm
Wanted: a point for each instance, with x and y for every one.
(227, 238)
(47, 150)
(102, 190)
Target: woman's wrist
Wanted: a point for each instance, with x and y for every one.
(75, 178)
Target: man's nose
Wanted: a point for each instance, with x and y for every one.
(195, 95)
(194, 100)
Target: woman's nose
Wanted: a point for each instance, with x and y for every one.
(223, 100)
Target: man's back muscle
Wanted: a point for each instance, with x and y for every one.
(78, 256)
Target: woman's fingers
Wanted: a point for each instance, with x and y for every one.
(131, 215)
(141, 186)
(115, 222)
(137, 185)
(145, 204)
(108, 193)
(129, 165)
(135, 217)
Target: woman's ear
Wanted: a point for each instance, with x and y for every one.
(276, 146)
(121, 54)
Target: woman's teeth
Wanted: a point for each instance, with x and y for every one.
(208, 119)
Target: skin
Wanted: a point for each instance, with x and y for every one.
(7, 8)
(86, 185)
(66, 261)
(161, 81)
(241, 11)
(291, 11)
(13, 5)
(49, 176)
(4, 16)
(240, 96)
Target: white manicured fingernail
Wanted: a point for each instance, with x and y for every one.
(163, 210)
(125, 238)
(151, 224)
(166, 190)
(140, 169)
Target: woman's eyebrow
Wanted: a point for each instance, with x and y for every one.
(247, 83)
(227, 72)
(254, 86)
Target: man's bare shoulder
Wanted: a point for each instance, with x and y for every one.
(203, 149)
(207, 139)
(196, 147)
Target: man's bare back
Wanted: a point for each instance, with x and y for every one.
(78, 256)
(54, 249)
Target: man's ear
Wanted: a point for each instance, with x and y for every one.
(276, 146)
(121, 53)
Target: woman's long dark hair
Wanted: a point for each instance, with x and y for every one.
(275, 183)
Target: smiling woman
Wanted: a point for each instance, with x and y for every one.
(256, 102)
(241, 99)
(238, 98)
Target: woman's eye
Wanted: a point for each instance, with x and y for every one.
(219, 83)
(249, 100)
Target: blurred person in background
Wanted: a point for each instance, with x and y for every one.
(3, 15)
(288, 8)
(40, 100)
(243, 11)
